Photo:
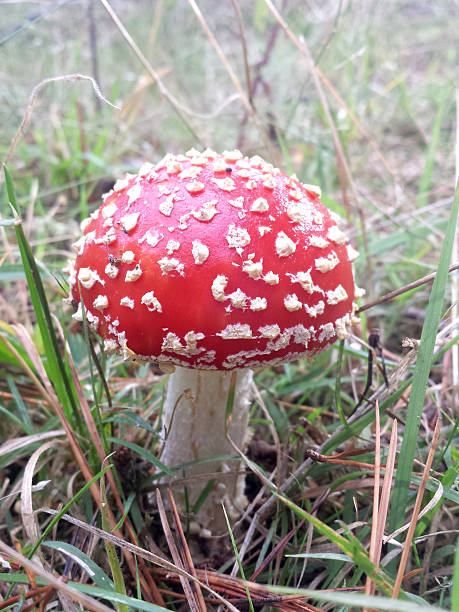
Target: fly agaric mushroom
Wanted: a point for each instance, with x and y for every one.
(210, 263)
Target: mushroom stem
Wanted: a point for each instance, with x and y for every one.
(194, 428)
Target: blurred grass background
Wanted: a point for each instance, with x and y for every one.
(389, 73)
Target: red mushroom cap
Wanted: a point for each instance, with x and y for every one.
(214, 262)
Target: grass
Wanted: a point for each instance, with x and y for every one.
(372, 121)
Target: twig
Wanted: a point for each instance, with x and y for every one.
(393, 294)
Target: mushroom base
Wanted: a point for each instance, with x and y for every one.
(194, 431)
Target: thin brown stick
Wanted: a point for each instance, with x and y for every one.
(416, 511)
(396, 292)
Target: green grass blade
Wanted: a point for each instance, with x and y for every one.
(421, 376)
(54, 363)
(455, 586)
(23, 412)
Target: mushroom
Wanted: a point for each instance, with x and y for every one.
(208, 264)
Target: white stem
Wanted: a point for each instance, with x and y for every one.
(194, 423)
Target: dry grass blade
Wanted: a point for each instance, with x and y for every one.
(48, 391)
(29, 520)
(175, 554)
(385, 494)
(87, 602)
(264, 510)
(17, 443)
(272, 428)
(432, 503)
(369, 584)
(186, 555)
(416, 511)
(149, 588)
(276, 550)
(35, 358)
(30, 373)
